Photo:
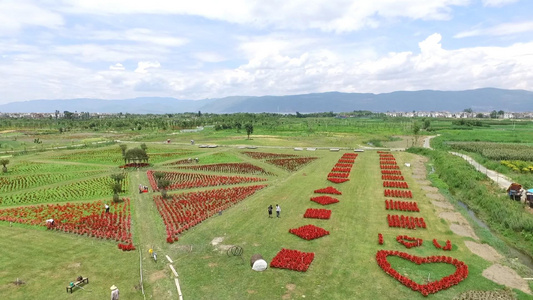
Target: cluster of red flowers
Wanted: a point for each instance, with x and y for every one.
(289, 162)
(401, 205)
(393, 167)
(392, 177)
(342, 165)
(396, 184)
(409, 241)
(387, 157)
(447, 247)
(328, 190)
(338, 180)
(194, 180)
(243, 168)
(184, 211)
(387, 162)
(343, 169)
(380, 238)
(461, 271)
(324, 200)
(126, 247)
(340, 175)
(309, 232)
(398, 193)
(134, 165)
(391, 172)
(405, 221)
(319, 213)
(293, 260)
(87, 218)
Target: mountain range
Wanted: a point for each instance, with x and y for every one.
(479, 100)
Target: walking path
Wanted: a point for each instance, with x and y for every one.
(501, 180)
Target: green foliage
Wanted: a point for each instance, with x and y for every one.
(496, 151)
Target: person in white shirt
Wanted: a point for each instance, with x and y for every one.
(278, 210)
(114, 292)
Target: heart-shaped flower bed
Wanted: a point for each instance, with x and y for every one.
(309, 232)
(409, 241)
(460, 274)
(324, 200)
(292, 260)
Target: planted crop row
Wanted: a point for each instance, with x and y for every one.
(38, 167)
(497, 151)
(17, 183)
(518, 165)
(265, 155)
(83, 189)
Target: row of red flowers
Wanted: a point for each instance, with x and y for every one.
(293, 260)
(391, 172)
(339, 169)
(398, 193)
(447, 247)
(289, 162)
(324, 200)
(380, 238)
(386, 158)
(409, 241)
(338, 180)
(186, 210)
(396, 184)
(309, 232)
(387, 162)
(193, 180)
(392, 177)
(317, 213)
(382, 166)
(401, 205)
(460, 274)
(339, 175)
(406, 222)
(135, 165)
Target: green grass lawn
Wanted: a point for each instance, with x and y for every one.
(344, 266)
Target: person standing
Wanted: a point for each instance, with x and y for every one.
(278, 210)
(114, 292)
(270, 211)
(106, 208)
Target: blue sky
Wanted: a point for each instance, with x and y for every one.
(116, 49)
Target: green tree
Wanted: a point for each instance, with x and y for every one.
(118, 178)
(136, 155)
(4, 162)
(144, 147)
(468, 110)
(493, 114)
(416, 131)
(249, 129)
(426, 124)
(238, 125)
(480, 116)
(116, 188)
(162, 185)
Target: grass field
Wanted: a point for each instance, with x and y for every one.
(344, 266)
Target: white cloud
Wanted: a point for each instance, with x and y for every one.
(140, 35)
(210, 57)
(117, 67)
(498, 3)
(326, 15)
(143, 66)
(21, 13)
(499, 30)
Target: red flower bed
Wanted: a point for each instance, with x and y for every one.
(396, 184)
(398, 193)
(380, 238)
(184, 211)
(386, 158)
(461, 271)
(135, 165)
(409, 241)
(338, 180)
(350, 155)
(317, 213)
(405, 222)
(328, 190)
(193, 180)
(265, 155)
(382, 166)
(338, 175)
(338, 169)
(291, 164)
(401, 205)
(392, 177)
(324, 200)
(391, 172)
(387, 162)
(309, 232)
(244, 168)
(292, 260)
(447, 247)
(346, 161)
(87, 218)
(340, 165)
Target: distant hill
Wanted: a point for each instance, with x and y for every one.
(480, 100)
